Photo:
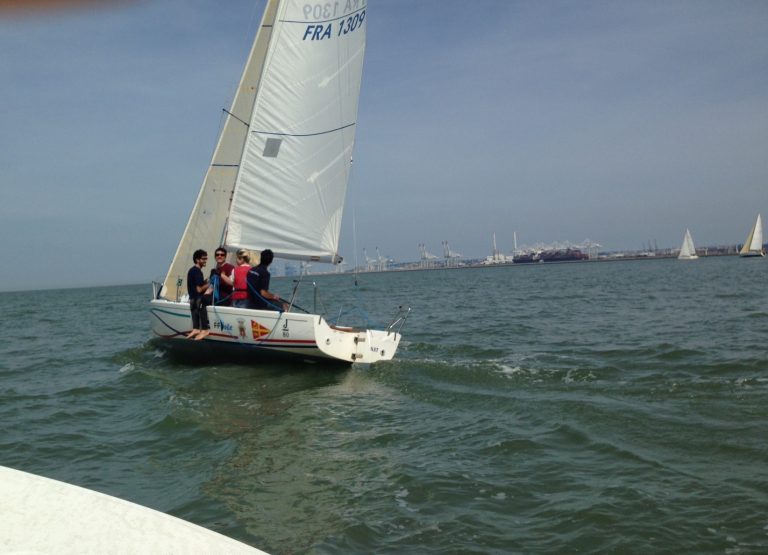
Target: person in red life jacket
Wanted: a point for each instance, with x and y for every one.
(224, 271)
(240, 279)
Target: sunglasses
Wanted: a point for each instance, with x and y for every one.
(218, 254)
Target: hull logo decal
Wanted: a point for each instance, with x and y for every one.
(258, 330)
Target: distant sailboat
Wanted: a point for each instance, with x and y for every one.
(687, 250)
(753, 246)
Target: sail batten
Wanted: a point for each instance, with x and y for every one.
(277, 133)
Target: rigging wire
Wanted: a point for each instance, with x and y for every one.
(354, 231)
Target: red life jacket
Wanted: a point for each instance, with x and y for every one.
(241, 283)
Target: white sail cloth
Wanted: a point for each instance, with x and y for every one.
(687, 250)
(754, 242)
(290, 189)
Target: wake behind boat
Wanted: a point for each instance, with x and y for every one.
(278, 180)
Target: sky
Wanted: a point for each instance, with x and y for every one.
(621, 122)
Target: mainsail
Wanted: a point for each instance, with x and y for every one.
(279, 172)
(753, 246)
(289, 193)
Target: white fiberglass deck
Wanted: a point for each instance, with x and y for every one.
(40, 515)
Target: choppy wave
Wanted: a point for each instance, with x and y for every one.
(574, 408)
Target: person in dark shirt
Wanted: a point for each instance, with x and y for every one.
(259, 294)
(196, 287)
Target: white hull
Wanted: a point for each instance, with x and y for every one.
(256, 333)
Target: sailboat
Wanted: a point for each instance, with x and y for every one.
(753, 246)
(277, 180)
(687, 250)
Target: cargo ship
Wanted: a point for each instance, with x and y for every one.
(562, 255)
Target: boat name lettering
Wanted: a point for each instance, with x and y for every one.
(329, 10)
(321, 31)
(219, 325)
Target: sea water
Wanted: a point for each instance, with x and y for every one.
(587, 407)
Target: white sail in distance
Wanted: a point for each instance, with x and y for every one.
(753, 246)
(687, 250)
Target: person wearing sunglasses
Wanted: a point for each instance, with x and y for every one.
(196, 288)
(223, 269)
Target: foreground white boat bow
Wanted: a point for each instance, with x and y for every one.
(44, 516)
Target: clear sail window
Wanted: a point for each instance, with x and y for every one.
(272, 147)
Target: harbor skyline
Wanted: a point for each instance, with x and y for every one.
(625, 124)
(547, 254)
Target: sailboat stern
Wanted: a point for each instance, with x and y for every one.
(355, 344)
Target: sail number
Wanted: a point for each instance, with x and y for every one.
(329, 10)
(320, 31)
